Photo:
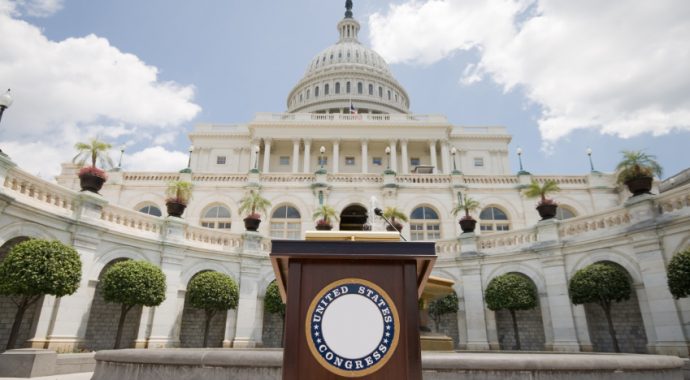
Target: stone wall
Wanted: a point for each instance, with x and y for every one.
(627, 321)
(530, 328)
(7, 312)
(192, 329)
(448, 326)
(272, 334)
(101, 329)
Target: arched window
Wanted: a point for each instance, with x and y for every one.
(380, 92)
(316, 91)
(326, 89)
(151, 210)
(286, 223)
(347, 87)
(371, 89)
(216, 217)
(308, 92)
(493, 219)
(425, 224)
(389, 94)
(563, 213)
(360, 88)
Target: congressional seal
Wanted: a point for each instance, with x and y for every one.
(352, 327)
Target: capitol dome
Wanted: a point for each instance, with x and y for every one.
(348, 73)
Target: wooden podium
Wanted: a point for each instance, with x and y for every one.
(352, 307)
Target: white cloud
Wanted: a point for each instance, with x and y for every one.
(155, 158)
(71, 90)
(619, 66)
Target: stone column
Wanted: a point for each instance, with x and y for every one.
(246, 308)
(432, 154)
(336, 156)
(307, 155)
(295, 155)
(365, 156)
(230, 322)
(45, 316)
(144, 327)
(394, 155)
(164, 327)
(582, 328)
(560, 308)
(267, 155)
(405, 161)
(254, 155)
(473, 295)
(445, 158)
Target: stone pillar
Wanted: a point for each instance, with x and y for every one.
(445, 158)
(394, 155)
(405, 161)
(254, 155)
(144, 327)
(267, 155)
(432, 154)
(582, 328)
(560, 307)
(473, 294)
(336, 156)
(230, 322)
(247, 306)
(307, 155)
(45, 318)
(365, 156)
(295, 155)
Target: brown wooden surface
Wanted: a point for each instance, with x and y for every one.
(307, 267)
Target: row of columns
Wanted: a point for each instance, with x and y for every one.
(446, 159)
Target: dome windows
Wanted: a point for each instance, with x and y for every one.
(380, 92)
(316, 91)
(371, 89)
(337, 87)
(347, 87)
(326, 89)
(360, 89)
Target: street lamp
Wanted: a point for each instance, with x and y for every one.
(453, 152)
(388, 157)
(519, 153)
(591, 164)
(5, 103)
(119, 163)
(322, 150)
(189, 161)
(256, 158)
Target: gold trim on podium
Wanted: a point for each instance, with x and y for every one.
(352, 236)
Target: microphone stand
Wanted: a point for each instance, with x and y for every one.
(378, 212)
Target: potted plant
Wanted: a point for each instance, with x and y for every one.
(323, 216)
(394, 214)
(636, 170)
(178, 195)
(546, 207)
(92, 178)
(467, 205)
(253, 202)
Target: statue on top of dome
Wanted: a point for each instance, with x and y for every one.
(348, 7)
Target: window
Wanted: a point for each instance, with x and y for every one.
(396, 98)
(478, 162)
(300, 97)
(493, 219)
(380, 92)
(308, 94)
(326, 89)
(371, 89)
(389, 94)
(414, 161)
(151, 210)
(220, 160)
(337, 87)
(349, 161)
(323, 160)
(285, 160)
(216, 217)
(563, 213)
(376, 161)
(424, 224)
(286, 223)
(316, 91)
(360, 88)
(347, 87)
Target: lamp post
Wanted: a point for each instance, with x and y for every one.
(453, 152)
(591, 164)
(189, 161)
(5, 103)
(388, 158)
(522, 170)
(119, 163)
(256, 158)
(322, 150)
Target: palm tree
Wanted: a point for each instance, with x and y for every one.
(637, 164)
(535, 190)
(394, 213)
(467, 205)
(325, 214)
(179, 192)
(254, 202)
(95, 150)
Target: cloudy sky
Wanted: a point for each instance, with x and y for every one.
(561, 75)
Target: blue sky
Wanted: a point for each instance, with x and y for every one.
(219, 61)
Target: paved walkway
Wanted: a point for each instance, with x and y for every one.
(71, 376)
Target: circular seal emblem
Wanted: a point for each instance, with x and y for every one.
(352, 327)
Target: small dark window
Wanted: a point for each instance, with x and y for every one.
(414, 161)
(285, 160)
(359, 88)
(349, 161)
(376, 161)
(151, 210)
(380, 92)
(478, 162)
(371, 89)
(326, 89)
(337, 87)
(347, 87)
(220, 160)
(316, 91)
(389, 94)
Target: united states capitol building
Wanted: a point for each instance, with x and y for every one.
(348, 136)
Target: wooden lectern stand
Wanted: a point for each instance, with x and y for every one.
(352, 307)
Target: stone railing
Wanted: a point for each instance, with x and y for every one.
(447, 248)
(340, 117)
(674, 200)
(150, 177)
(132, 219)
(355, 178)
(39, 190)
(225, 178)
(598, 221)
(423, 179)
(510, 239)
(563, 180)
(491, 180)
(286, 178)
(218, 238)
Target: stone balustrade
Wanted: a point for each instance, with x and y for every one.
(214, 239)
(594, 222)
(131, 219)
(40, 192)
(674, 200)
(150, 177)
(338, 117)
(509, 239)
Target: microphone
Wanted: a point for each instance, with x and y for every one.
(378, 212)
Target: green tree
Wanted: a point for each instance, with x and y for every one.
(637, 164)
(444, 305)
(467, 205)
(212, 292)
(325, 214)
(34, 268)
(273, 304)
(394, 213)
(602, 284)
(93, 151)
(254, 202)
(679, 274)
(131, 283)
(512, 292)
(536, 190)
(179, 192)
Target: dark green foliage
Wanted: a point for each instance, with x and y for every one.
(442, 306)
(603, 284)
(679, 274)
(212, 292)
(273, 303)
(131, 283)
(36, 267)
(511, 291)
